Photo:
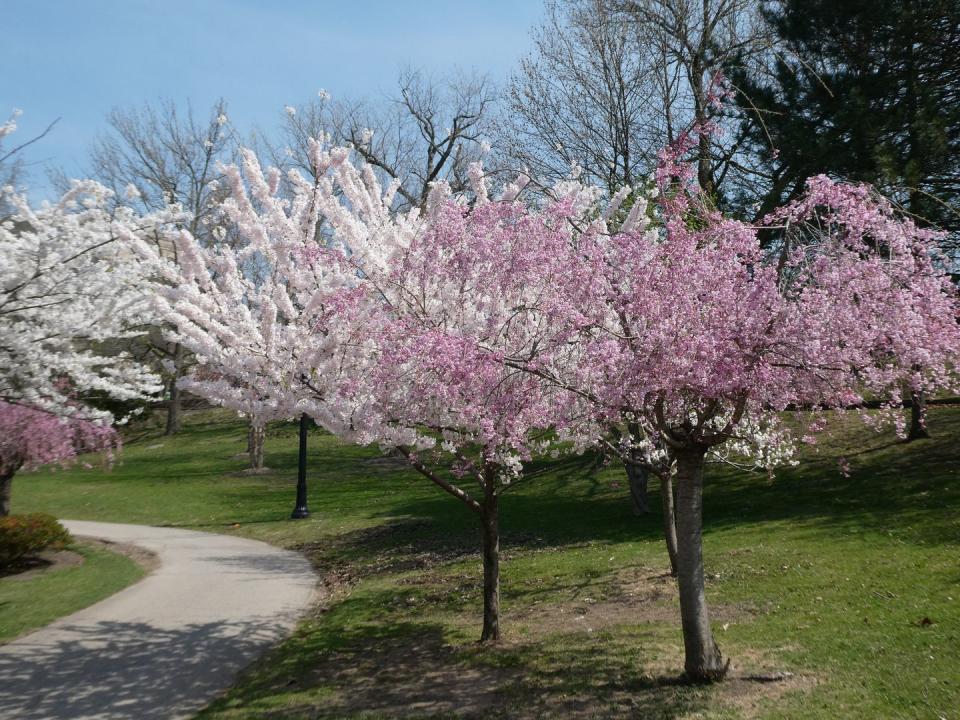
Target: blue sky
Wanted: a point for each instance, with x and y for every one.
(77, 59)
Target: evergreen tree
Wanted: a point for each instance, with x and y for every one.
(864, 90)
(861, 90)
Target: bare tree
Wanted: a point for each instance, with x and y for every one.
(586, 96)
(610, 82)
(430, 132)
(695, 41)
(157, 155)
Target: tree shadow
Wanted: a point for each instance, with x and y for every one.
(412, 669)
(126, 669)
(913, 488)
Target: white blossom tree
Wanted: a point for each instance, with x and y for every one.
(72, 291)
(70, 286)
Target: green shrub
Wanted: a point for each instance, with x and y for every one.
(22, 535)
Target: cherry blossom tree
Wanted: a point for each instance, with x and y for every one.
(171, 154)
(689, 332)
(30, 438)
(256, 312)
(384, 327)
(477, 333)
(439, 392)
(71, 286)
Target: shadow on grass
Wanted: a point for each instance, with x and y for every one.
(911, 487)
(361, 669)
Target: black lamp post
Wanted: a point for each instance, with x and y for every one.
(301, 511)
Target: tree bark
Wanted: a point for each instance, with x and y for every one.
(6, 484)
(703, 662)
(174, 404)
(255, 438)
(669, 521)
(918, 417)
(637, 477)
(490, 522)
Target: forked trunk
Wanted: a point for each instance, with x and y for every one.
(490, 522)
(703, 662)
(255, 439)
(637, 477)
(918, 417)
(6, 484)
(669, 520)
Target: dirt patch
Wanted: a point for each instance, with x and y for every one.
(549, 667)
(633, 596)
(144, 558)
(46, 561)
(395, 547)
(417, 676)
(750, 693)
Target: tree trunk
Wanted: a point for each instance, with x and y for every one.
(637, 477)
(175, 402)
(255, 438)
(669, 520)
(918, 417)
(703, 661)
(490, 522)
(6, 484)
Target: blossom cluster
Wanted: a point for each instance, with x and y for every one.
(490, 329)
(70, 289)
(30, 438)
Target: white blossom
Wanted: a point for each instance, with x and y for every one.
(71, 280)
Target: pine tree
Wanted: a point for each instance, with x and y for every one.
(866, 91)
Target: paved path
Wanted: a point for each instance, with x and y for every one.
(167, 645)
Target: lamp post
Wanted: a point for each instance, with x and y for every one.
(300, 511)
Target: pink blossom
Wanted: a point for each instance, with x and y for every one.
(30, 438)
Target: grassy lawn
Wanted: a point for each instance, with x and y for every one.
(852, 584)
(27, 603)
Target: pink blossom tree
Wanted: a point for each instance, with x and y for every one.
(696, 338)
(385, 327)
(30, 438)
(439, 392)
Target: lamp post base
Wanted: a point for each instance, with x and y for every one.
(300, 510)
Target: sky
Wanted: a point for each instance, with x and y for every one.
(78, 59)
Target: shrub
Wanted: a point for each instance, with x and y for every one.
(22, 535)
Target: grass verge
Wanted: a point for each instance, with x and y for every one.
(35, 600)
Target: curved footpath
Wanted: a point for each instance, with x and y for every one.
(167, 645)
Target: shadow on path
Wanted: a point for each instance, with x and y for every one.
(122, 670)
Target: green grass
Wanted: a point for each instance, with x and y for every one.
(828, 577)
(28, 603)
